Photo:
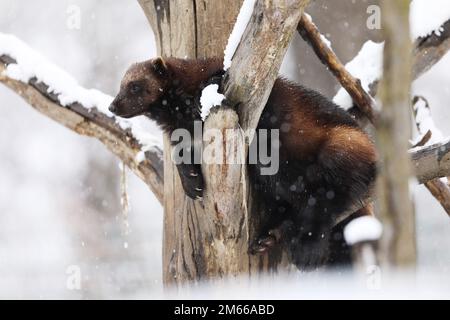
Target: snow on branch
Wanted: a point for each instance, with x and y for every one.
(430, 25)
(367, 65)
(360, 77)
(356, 88)
(438, 187)
(259, 54)
(424, 121)
(430, 49)
(56, 94)
(427, 17)
(430, 28)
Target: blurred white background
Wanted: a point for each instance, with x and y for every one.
(59, 192)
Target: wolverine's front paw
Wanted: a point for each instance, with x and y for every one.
(194, 188)
(192, 181)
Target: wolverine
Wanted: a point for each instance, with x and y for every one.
(327, 163)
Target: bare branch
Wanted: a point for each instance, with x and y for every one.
(441, 192)
(90, 122)
(311, 34)
(432, 161)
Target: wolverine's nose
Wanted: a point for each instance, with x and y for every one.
(112, 108)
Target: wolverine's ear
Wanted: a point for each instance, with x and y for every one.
(159, 65)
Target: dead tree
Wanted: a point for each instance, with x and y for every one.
(211, 238)
(208, 239)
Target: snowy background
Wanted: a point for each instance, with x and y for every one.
(59, 192)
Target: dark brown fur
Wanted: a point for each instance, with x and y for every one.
(327, 163)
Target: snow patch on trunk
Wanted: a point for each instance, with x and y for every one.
(210, 98)
(238, 30)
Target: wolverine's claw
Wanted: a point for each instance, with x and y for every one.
(263, 244)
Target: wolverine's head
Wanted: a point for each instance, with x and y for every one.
(141, 88)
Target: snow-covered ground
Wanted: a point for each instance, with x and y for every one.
(373, 285)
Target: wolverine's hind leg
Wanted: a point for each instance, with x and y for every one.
(276, 235)
(277, 228)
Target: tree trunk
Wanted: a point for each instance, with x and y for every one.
(397, 246)
(210, 238)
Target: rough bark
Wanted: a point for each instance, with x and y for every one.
(432, 161)
(441, 192)
(439, 189)
(211, 238)
(430, 49)
(90, 122)
(259, 55)
(397, 245)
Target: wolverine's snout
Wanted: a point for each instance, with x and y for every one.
(112, 107)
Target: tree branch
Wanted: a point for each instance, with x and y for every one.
(441, 192)
(430, 49)
(426, 53)
(90, 122)
(311, 34)
(432, 161)
(258, 57)
(422, 114)
(393, 130)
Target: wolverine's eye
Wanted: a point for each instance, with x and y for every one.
(135, 88)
